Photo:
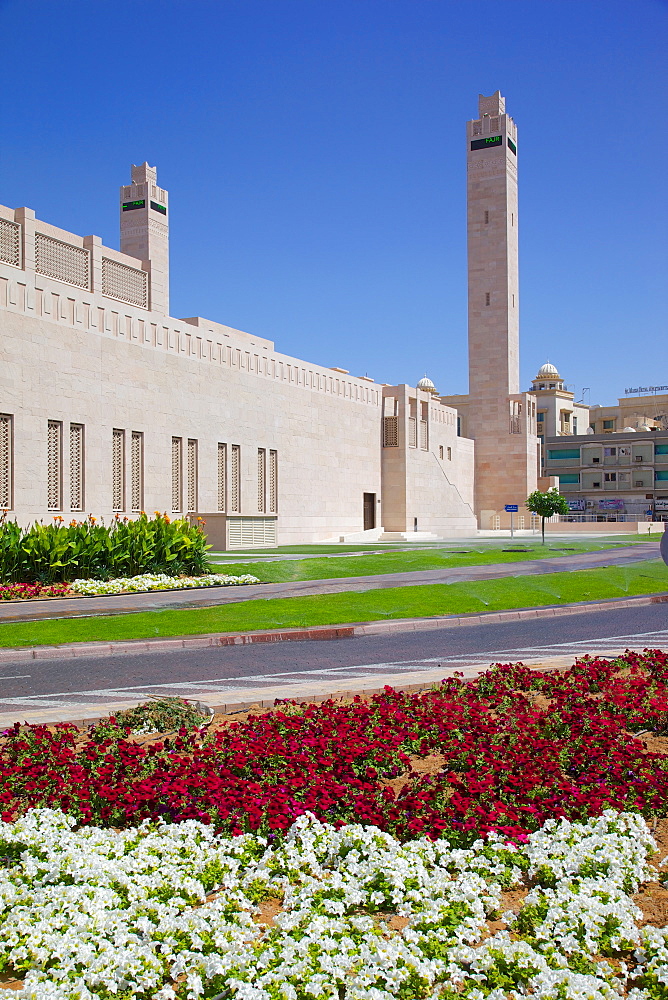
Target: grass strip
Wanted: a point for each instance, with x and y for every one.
(286, 571)
(334, 609)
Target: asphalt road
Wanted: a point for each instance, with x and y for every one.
(76, 688)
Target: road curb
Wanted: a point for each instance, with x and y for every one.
(317, 633)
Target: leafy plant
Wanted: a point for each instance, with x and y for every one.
(162, 715)
(547, 505)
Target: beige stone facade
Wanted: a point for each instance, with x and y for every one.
(110, 406)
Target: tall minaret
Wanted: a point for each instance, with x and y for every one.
(499, 418)
(145, 230)
(491, 160)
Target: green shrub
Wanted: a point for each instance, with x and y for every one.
(49, 553)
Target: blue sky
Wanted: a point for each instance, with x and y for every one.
(315, 158)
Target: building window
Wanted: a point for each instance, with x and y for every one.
(488, 298)
(540, 418)
(610, 477)
(235, 479)
(440, 451)
(137, 472)
(77, 467)
(449, 454)
(273, 482)
(54, 487)
(177, 475)
(6, 451)
(261, 479)
(192, 477)
(608, 425)
(222, 475)
(486, 218)
(118, 470)
(575, 425)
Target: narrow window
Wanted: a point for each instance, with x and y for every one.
(273, 482)
(440, 451)
(118, 470)
(177, 474)
(235, 476)
(76, 467)
(486, 218)
(192, 476)
(137, 472)
(487, 298)
(222, 475)
(261, 479)
(55, 465)
(449, 454)
(6, 442)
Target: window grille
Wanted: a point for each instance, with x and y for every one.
(261, 480)
(222, 475)
(54, 490)
(412, 432)
(76, 467)
(10, 242)
(137, 472)
(251, 532)
(235, 485)
(62, 261)
(192, 476)
(273, 482)
(390, 432)
(423, 435)
(5, 461)
(125, 283)
(118, 470)
(177, 474)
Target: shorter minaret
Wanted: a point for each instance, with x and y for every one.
(145, 230)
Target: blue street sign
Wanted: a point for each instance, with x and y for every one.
(511, 508)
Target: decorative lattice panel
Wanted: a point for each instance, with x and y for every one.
(5, 461)
(176, 474)
(62, 261)
(118, 469)
(76, 467)
(423, 435)
(137, 472)
(390, 432)
(222, 475)
(125, 283)
(412, 432)
(192, 477)
(235, 475)
(261, 479)
(54, 448)
(251, 532)
(10, 242)
(273, 482)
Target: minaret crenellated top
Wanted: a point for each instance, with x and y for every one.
(494, 105)
(144, 218)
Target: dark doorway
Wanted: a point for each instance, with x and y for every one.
(369, 511)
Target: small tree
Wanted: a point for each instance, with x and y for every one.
(546, 504)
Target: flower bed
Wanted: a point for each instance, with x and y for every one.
(157, 581)
(350, 914)
(31, 591)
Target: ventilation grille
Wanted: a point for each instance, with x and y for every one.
(125, 283)
(76, 467)
(261, 473)
(176, 475)
(390, 432)
(118, 470)
(412, 432)
(10, 242)
(273, 482)
(235, 489)
(54, 460)
(222, 475)
(192, 477)
(423, 435)
(251, 532)
(62, 261)
(5, 461)
(137, 472)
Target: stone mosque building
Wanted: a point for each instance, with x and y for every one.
(109, 405)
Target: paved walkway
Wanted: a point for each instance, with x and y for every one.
(16, 611)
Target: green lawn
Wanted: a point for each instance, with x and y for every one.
(282, 571)
(397, 602)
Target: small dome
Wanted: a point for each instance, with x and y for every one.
(629, 430)
(426, 385)
(547, 371)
